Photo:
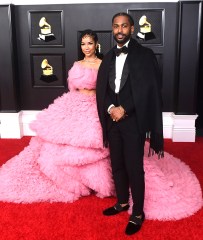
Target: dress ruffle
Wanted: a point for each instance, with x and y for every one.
(37, 175)
(72, 119)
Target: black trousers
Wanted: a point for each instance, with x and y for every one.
(126, 152)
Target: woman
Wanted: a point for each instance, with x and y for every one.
(66, 160)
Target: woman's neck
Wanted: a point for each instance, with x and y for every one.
(91, 60)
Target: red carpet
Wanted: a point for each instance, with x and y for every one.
(82, 220)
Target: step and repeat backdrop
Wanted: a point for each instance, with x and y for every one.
(39, 44)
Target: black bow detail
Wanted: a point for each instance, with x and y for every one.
(118, 51)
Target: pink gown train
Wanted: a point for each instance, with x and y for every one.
(66, 160)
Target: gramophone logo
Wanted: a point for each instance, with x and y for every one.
(145, 32)
(47, 72)
(45, 28)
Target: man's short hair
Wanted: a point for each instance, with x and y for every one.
(130, 19)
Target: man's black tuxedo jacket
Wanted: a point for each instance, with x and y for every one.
(145, 80)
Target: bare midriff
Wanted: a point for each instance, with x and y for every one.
(87, 91)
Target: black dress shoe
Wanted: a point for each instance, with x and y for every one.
(134, 224)
(115, 209)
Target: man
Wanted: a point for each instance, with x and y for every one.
(129, 107)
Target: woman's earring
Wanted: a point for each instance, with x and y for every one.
(99, 48)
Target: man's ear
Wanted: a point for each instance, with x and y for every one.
(132, 30)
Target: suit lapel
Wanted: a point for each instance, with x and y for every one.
(112, 74)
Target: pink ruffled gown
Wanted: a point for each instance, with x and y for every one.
(66, 160)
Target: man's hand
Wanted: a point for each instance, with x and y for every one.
(117, 113)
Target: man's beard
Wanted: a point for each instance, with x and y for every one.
(122, 41)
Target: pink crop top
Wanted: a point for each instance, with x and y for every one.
(80, 77)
